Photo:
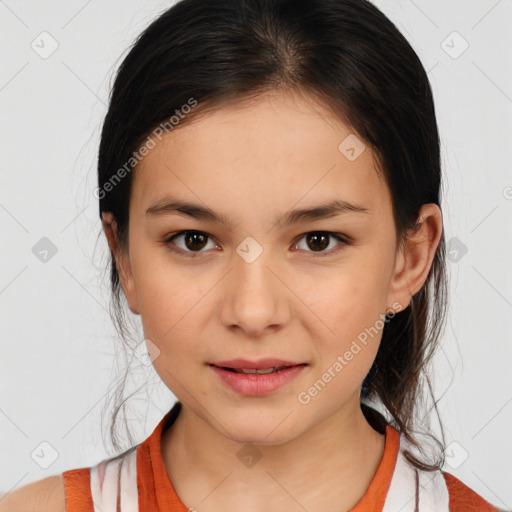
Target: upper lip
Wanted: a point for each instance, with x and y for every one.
(257, 365)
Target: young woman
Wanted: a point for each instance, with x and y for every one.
(269, 185)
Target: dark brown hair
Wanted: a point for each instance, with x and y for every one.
(350, 56)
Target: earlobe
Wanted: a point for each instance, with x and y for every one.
(122, 262)
(415, 257)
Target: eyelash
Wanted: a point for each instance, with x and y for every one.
(191, 254)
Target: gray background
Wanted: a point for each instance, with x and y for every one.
(58, 349)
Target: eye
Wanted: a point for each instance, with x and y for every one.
(319, 241)
(192, 240)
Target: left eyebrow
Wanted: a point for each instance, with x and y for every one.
(170, 205)
(323, 211)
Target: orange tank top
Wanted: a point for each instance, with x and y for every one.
(137, 481)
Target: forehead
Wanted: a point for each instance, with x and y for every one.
(284, 147)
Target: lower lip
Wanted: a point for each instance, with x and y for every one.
(256, 384)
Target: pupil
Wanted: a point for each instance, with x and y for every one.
(317, 236)
(195, 238)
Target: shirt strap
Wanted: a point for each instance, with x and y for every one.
(413, 490)
(114, 484)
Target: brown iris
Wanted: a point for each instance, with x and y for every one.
(318, 238)
(195, 240)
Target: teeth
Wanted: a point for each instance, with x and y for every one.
(263, 371)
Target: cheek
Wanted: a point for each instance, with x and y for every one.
(352, 296)
(349, 318)
(170, 304)
(350, 352)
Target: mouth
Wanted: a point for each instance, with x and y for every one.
(257, 378)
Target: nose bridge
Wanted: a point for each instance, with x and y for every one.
(254, 296)
(252, 275)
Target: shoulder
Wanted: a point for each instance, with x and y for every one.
(464, 499)
(46, 495)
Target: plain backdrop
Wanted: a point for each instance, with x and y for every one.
(58, 344)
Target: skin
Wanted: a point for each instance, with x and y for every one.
(251, 161)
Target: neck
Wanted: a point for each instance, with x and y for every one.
(331, 464)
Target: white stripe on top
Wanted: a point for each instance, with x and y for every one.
(114, 484)
(431, 492)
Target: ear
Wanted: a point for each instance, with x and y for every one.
(415, 257)
(122, 261)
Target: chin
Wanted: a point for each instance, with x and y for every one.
(263, 433)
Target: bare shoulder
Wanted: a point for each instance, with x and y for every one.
(46, 495)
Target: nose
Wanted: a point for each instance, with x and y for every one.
(254, 297)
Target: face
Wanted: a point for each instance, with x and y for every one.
(246, 285)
